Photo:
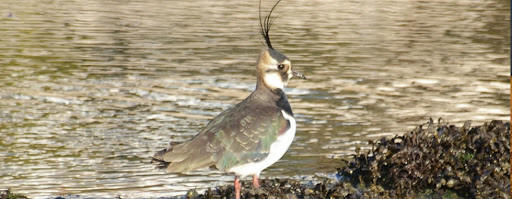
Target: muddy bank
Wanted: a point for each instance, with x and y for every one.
(435, 160)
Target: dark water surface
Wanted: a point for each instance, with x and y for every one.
(89, 90)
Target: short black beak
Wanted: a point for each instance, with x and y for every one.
(298, 75)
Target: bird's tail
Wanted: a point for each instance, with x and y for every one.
(183, 157)
(158, 159)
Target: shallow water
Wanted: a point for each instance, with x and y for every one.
(90, 90)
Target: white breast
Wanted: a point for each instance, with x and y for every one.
(277, 150)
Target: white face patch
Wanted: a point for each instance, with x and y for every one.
(286, 62)
(289, 72)
(272, 76)
(273, 80)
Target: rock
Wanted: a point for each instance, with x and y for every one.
(438, 161)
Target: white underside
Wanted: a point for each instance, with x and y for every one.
(277, 150)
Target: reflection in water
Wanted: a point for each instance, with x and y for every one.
(90, 90)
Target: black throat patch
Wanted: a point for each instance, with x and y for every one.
(282, 102)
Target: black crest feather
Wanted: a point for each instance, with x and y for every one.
(266, 23)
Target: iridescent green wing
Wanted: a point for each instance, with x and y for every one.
(247, 136)
(239, 135)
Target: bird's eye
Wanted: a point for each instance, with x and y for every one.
(280, 66)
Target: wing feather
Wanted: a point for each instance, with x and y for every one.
(239, 135)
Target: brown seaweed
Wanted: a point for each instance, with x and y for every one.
(434, 160)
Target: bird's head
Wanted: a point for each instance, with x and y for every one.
(274, 68)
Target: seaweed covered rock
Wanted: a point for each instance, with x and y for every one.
(7, 194)
(471, 162)
(286, 188)
(432, 161)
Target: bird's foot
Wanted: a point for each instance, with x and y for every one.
(238, 187)
(255, 182)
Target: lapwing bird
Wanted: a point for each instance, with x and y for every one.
(250, 136)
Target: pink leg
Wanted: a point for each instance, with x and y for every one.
(237, 187)
(255, 181)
